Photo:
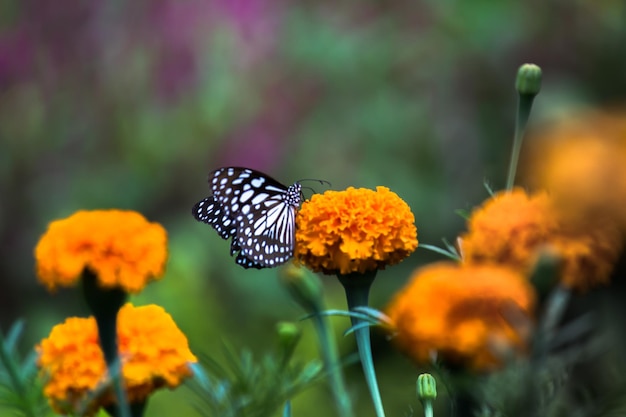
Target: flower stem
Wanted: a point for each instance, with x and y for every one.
(330, 357)
(528, 84)
(523, 112)
(104, 304)
(428, 409)
(357, 287)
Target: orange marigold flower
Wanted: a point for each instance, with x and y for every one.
(512, 228)
(580, 160)
(462, 313)
(508, 229)
(356, 230)
(120, 247)
(588, 255)
(154, 354)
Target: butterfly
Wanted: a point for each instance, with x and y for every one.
(256, 211)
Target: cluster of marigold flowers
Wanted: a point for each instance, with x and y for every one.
(468, 312)
(343, 232)
(123, 251)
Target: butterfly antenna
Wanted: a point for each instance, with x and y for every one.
(322, 182)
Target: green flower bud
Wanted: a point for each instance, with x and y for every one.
(288, 334)
(306, 289)
(426, 387)
(528, 79)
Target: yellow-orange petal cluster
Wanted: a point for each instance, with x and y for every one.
(512, 228)
(470, 315)
(121, 248)
(508, 229)
(580, 160)
(355, 230)
(588, 256)
(154, 353)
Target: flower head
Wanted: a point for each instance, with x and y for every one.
(356, 230)
(508, 229)
(512, 228)
(154, 354)
(462, 313)
(581, 162)
(120, 247)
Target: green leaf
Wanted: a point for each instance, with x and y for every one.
(15, 332)
(452, 255)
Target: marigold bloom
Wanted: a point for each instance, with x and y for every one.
(512, 228)
(588, 255)
(120, 247)
(154, 354)
(356, 230)
(581, 161)
(462, 313)
(508, 229)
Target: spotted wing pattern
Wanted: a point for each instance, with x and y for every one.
(256, 211)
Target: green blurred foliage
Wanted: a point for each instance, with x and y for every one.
(131, 104)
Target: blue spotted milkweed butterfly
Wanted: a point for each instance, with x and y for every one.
(256, 211)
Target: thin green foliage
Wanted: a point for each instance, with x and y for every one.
(246, 386)
(369, 315)
(450, 251)
(488, 188)
(21, 389)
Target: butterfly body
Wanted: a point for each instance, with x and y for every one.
(256, 211)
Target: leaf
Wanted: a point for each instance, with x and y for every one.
(452, 255)
(462, 213)
(488, 187)
(15, 332)
(356, 327)
(378, 315)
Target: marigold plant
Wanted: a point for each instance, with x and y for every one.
(154, 354)
(355, 230)
(462, 313)
(120, 247)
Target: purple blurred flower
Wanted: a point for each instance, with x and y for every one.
(16, 57)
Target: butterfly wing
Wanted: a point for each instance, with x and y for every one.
(266, 234)
(211, 212)
(255, 210)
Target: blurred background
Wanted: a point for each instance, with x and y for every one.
(114, 104)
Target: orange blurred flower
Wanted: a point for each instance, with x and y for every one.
(512, 228)
(581, 161)
(508, 229)
(356, 230)
(462, 313)
(154, 354)
(120, 247)
(588, 256)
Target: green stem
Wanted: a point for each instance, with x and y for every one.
(555, 307)
(105, 304)
(330, 356)
(428, 409)
(357, 287)
(524, 104)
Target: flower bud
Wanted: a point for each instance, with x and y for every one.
(528, 79)
(426, 387)
(305, 288)
(288, 334)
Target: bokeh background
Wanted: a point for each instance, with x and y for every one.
(116, 104)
